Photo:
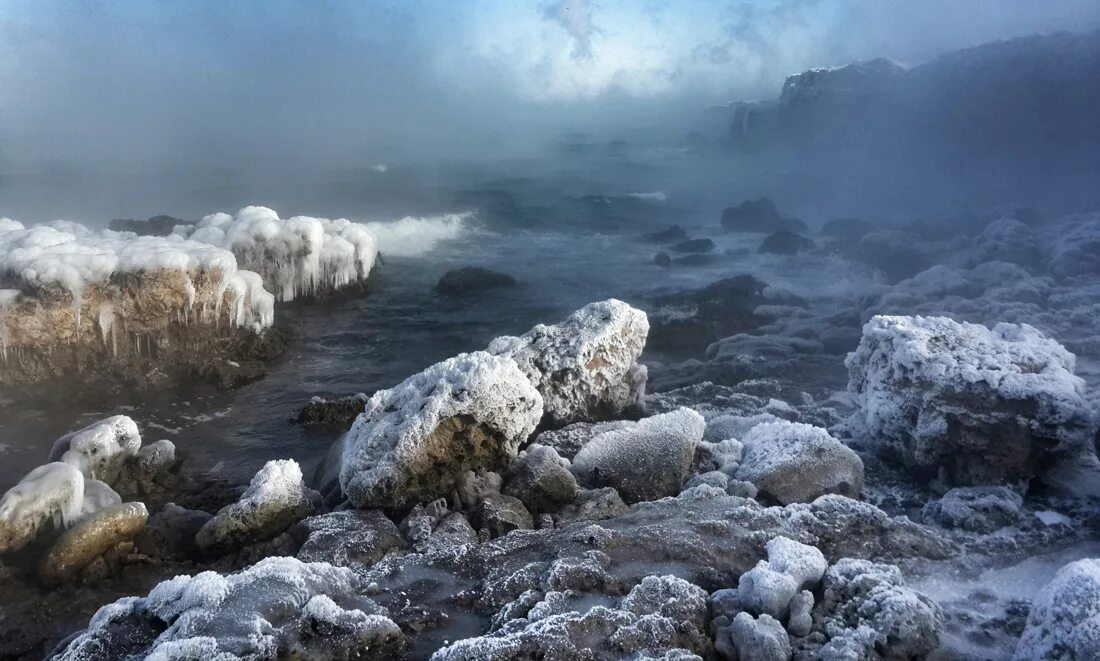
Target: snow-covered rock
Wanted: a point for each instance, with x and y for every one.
(500, 515)
(645, 460)
(349, 536)
(299, 256)
(413, 442)
(276, 498)
(793, 462)
(277, 608)
(770, 586)
(541, 479)
(760, 638)
(977, 509)
(99, 450)
(78, 546)
(1064, 622)
(586, 366)
(53, 493)
(981, 405)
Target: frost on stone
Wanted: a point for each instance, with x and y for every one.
(50, 493)
(586, 366)
(793, 462)
(276, 498)
(976, 509)
(99, 450)
(645, 460)
(414, 441)
(296, 257)
(1064, 622)
(982, 405)
(760, 639)
(791, 567)
(277, 608)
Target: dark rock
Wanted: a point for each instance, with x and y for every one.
(894, 253)
(662, 259)
(698, 259)
(170, 533)
(786, 243)
(349, 537)
(502, 514)
(718, 310)
(540, 478)
(471, 279)
(593, 505)
(674, 233)
(340, 412)
(758, 216)
(156, 226)
(694, 246)
(976, 509)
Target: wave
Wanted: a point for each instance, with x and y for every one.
(655, 196)
(414, 236)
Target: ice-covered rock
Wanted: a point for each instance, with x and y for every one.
(800, 621)
(981, 405)
(643, 461)
(501, 514)
(585, 367)
(276, 499)
(568, 440)
(53, 493)
(299, 256)
(413, 442)
(760, 639)
(349, 536)
(1073, 252)
(78, 546)
(977, 509)
(791, 567)
(541, 479)
(98, 496)
(793, 462)
(277, 608)
(99, 450)
(1064, 622)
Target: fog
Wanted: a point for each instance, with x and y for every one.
(131, 108)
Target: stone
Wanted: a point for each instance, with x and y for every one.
(502, 514)
(758, 216)
(1064, 622)
(349, 537)
(89, 539)
(693, 246)
(760, 639)
(793, 462)
(170, 533)
(593, 505)
(471, 279)
(975, 509)
(541, 479)
(786, 243)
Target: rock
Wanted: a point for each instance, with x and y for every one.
(645, 461)
(801, 620)
(472, 279)
(696, 259)
(98, 496)
(786, 243)
(541, 479)
(976, 509)
(673, 233)
(585, 367)
(769, 587)
(662, 259)
(688, 321)
(802, 562)
(758, 216)
(866, 608)
(276, 499)
(894, 253)
(340, 412)
(349, 537)
(413, 442)
(502, 514)
(53, 492)
(1064, 616)
(980, 406)
(693, 246)
(760, 639)
(279, 607)
(847, 229)
(472, 488)
(593, 505)
(99, 450)
(569, 440)
(161, 225)
(170, 533)
(89, 539)
(793, 462)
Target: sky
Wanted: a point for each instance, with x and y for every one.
(117, 85)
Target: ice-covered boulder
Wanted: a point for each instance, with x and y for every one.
(585, 367)
(793, 462)
(413, 442)
(760, 639)
(981, 405)
(645, 460)
(276, 499)
(349, 537)
(541, 479)
(277, 608)
(99, 450)
(53, 493)
(1064, 622)
(299, 256)
(89, 539)
(500, 515)
(977, 509)
(770, 586)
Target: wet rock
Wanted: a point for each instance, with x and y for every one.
(1063, 620)
(693, 246)
(593, 505)
(414, 441)
(586, 367)
(471, 279)
(662, 259)
(170, 533)
(760, 639)
(541, 479)
(847, 229)
(840, 340)
(670, 235)
(340, 412)
(786, 243)
(976, 509)
(276, 499)
(979, 406)
(502, 514)
(686, 322)
(89, 539)
(793, 462)
(99, 450)
(161, 225)
(644, 461)
(696, 259)
(349, 537)
(758, 216)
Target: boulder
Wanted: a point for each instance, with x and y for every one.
(686, 322)
(760, 639)
(78, 546)
(541, 479)
(414, 441)
(569, 440)
(471, 279)
(170, 533)
(593, 505)
(53, 492)
(975, 509)
(792, 462)
(276, 499)
(896, 254)
(758, 216)
(339, 412)
(978, 406)
(693, 246)
(1064, 622)
(646, 460)
(585, 367)
(349, 537)
(786, 243)
(502, 514)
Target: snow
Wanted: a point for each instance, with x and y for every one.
(415, 439)
(1064, 622)
(52, 492)
(99, 450)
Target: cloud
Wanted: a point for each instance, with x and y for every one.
(576, 17)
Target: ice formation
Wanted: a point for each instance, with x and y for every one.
(299, 256)
(99, 450)
(984, 405)
(50, 493)
(413, 441)
(1064, 623)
